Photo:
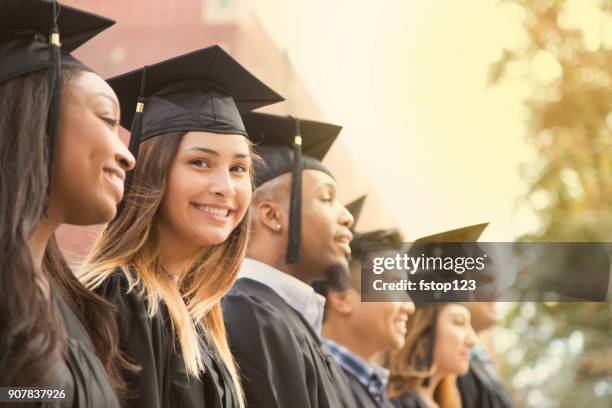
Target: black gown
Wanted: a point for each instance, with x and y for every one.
(362, 397)
(149, 342)
(81, 375)
(479, 389)
(282, 361)
(408, 400)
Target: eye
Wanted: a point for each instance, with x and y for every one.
(460, 321)
(200, 163)
(240, 168)
(328, 199)
(111, 122)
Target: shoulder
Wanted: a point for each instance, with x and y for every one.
(251, 302)
(126, 294)
(117, 284)
(253, 311)
(253, 299)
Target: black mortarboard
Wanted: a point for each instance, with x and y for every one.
(204, 90)
(377, 238)
(465, 234)
(30, 41)
(26, 27)
(290, 145)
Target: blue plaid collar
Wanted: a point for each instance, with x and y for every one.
(372, 377)
(478, 353)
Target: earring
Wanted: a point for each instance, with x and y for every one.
(278, 227)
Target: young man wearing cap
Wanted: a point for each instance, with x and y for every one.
(300, 231)
(481, 386)
(359, 333)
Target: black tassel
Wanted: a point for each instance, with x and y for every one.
(431, 344)
(295, 205)
(55, 87)
(135, 135)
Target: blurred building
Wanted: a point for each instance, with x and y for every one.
(148, 31)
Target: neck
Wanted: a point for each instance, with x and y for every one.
(343, 335)
(427, 392)
(175, 256)
(40, 237)
(269, 255)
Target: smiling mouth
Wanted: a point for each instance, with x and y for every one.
(345, 247)
(215, 211)
(344, 241)
(116, 181)
(400, 325)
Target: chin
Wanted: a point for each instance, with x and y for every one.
(342, 261)
(395, 344)
(463, 368)
(207, 238)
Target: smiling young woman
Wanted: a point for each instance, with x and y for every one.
(177, 244)
(437, 349)
(61, 161)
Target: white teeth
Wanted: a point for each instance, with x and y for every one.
(401, 326)
(219, 212)
(115, 179)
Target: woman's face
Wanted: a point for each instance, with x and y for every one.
(91, 160)
(454, 339)
(209, 188)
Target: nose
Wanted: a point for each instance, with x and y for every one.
(408, 307)
(345, 218)
(123, 156)
(222, 184)
(470, 339)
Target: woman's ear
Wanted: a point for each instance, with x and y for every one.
(343, 303)
(270, 215)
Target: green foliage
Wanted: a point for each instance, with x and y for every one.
(570, 128)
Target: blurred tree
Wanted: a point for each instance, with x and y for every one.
(563, 356)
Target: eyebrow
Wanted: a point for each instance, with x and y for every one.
(216, 153)
(107, 96)
(327, 185)
(459, 314)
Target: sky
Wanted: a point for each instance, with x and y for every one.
(408, 81)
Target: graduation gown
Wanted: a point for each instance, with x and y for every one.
(479, 389)
(409, 400)
(81, 375)
(363, 398)
(149, 342)
(282, 361)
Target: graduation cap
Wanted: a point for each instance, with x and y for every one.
(382, 237)
(290, 145)
(30, 41)
(465, 234)
(385, 238)
(205, 90)
(30, 30)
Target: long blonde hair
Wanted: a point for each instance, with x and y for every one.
(131, 243)
(405, 364)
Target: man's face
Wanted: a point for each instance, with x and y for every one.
(382, 325)
(325, 225)
(484, 315)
